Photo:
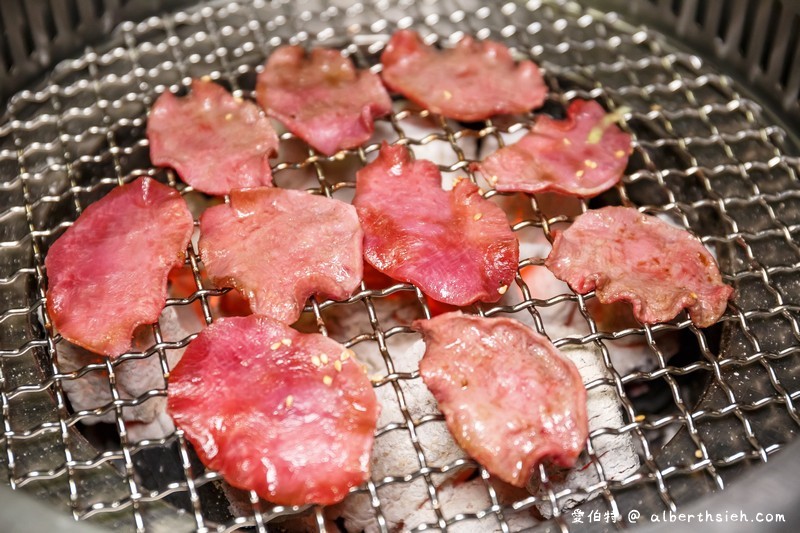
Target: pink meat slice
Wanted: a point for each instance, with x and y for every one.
(473, 81)
(107, 274)
(277, 247)
(322, 98)
(456, 246)
(289, 415)
(214, 141)
(624, 255)
(509, 397)
(583, 155)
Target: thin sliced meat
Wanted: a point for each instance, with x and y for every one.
(322, 98)
(456, 246)
(277, 247)
(625, 255)
(583, 155)
(510, 399)
(214, 141)
(107, 274)
(289, 415)
(473, 81)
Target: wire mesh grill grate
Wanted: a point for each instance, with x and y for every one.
(706, 157)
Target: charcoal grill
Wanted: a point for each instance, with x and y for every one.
(712, 91)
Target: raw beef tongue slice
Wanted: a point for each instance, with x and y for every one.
(289, 415)
(510, 399)
(214, 141)
(624, 255)
(322, 98)
(277, 247)
(475, 80)
(456, 246)
(107, 274)
(583, 155)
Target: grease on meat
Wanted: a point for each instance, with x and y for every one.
(624, 255)
(107, 274)
(473, 81)
(455, 245)
(277, 247)
(583, 155)
(289, 415)
(511, 400)
(214, 141)
(321, 97)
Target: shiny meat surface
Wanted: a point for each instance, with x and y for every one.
(511, 400)
(214, 141)
(583, 155)
(321, 97)
(625, 255)
(289, 415)
(107, 274)
(475, 80)
(277, 247)
(454, 245)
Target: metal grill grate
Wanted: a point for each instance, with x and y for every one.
(705, 156)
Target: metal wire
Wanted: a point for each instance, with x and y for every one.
(704, 154)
